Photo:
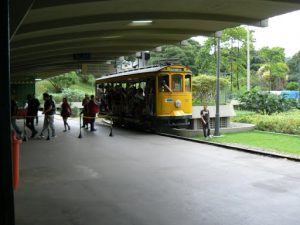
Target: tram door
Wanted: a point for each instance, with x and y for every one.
(164, 95)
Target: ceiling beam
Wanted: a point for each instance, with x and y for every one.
(45, 4)
(99, 42)
(33, 64)
(106, 34)
(62, 58)
(101, 51)
(18, 11)
(77, 48)
(284, 1)
(131, 16)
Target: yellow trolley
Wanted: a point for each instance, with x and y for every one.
(160, 95)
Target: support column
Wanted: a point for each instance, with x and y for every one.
(248, 59)
(6, 188)
(217, 123)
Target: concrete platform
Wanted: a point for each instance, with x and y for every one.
(136, 178)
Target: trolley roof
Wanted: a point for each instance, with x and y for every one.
(143, 71)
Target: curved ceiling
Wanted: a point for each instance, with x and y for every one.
(45, 34)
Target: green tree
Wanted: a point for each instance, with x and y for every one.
(184, 55)
(87, 79)
(233, 55)
(273, 71)
(294, 65)
(64, 81)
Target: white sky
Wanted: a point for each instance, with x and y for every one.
(283, 31)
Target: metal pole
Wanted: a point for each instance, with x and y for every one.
(217, 119)
(7, 215)
(80, 135)
(143, 59)
(248, 59)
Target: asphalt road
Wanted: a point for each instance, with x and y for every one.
(137, 178)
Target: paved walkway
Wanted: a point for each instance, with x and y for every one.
(143, 179)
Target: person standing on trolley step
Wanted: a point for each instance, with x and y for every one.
(205, 120)
(93, 109)
(49, 111)
(65, 113)
(31, 114)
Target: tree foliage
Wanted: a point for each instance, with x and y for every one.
(273, 70)
(184, 55)
(64, 81)
(204, 88)
(87, 79)
(294, 66)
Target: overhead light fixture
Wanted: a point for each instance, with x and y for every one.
(38, 79)
(141, 23)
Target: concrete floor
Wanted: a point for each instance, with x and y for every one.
(142, 179)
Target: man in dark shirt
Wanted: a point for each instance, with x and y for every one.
(205, 120)
(36, 104)
(49, 111)
(31, 114)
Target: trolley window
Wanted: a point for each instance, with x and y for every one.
(163, 83)
(188, 83)
(177, 83)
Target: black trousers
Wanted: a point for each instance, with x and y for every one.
(92, 121)
(206, 129)
(30, 123)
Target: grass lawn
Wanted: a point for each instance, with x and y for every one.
(268, 141)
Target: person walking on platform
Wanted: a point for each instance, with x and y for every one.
(65, 113)
(36, 104)
(93, 109)
(84, 111)
(49, 111)
(14, 112)
(205, 120)
(31, 114)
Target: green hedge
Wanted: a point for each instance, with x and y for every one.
(286, 122)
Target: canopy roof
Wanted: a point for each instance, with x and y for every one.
(55, 36)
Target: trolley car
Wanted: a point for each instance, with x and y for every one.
(159, 95)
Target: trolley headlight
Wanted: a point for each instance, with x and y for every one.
(177, 103)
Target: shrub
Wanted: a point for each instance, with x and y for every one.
(292, 86)
(263, 103)
(286, 122)
(72, 95)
